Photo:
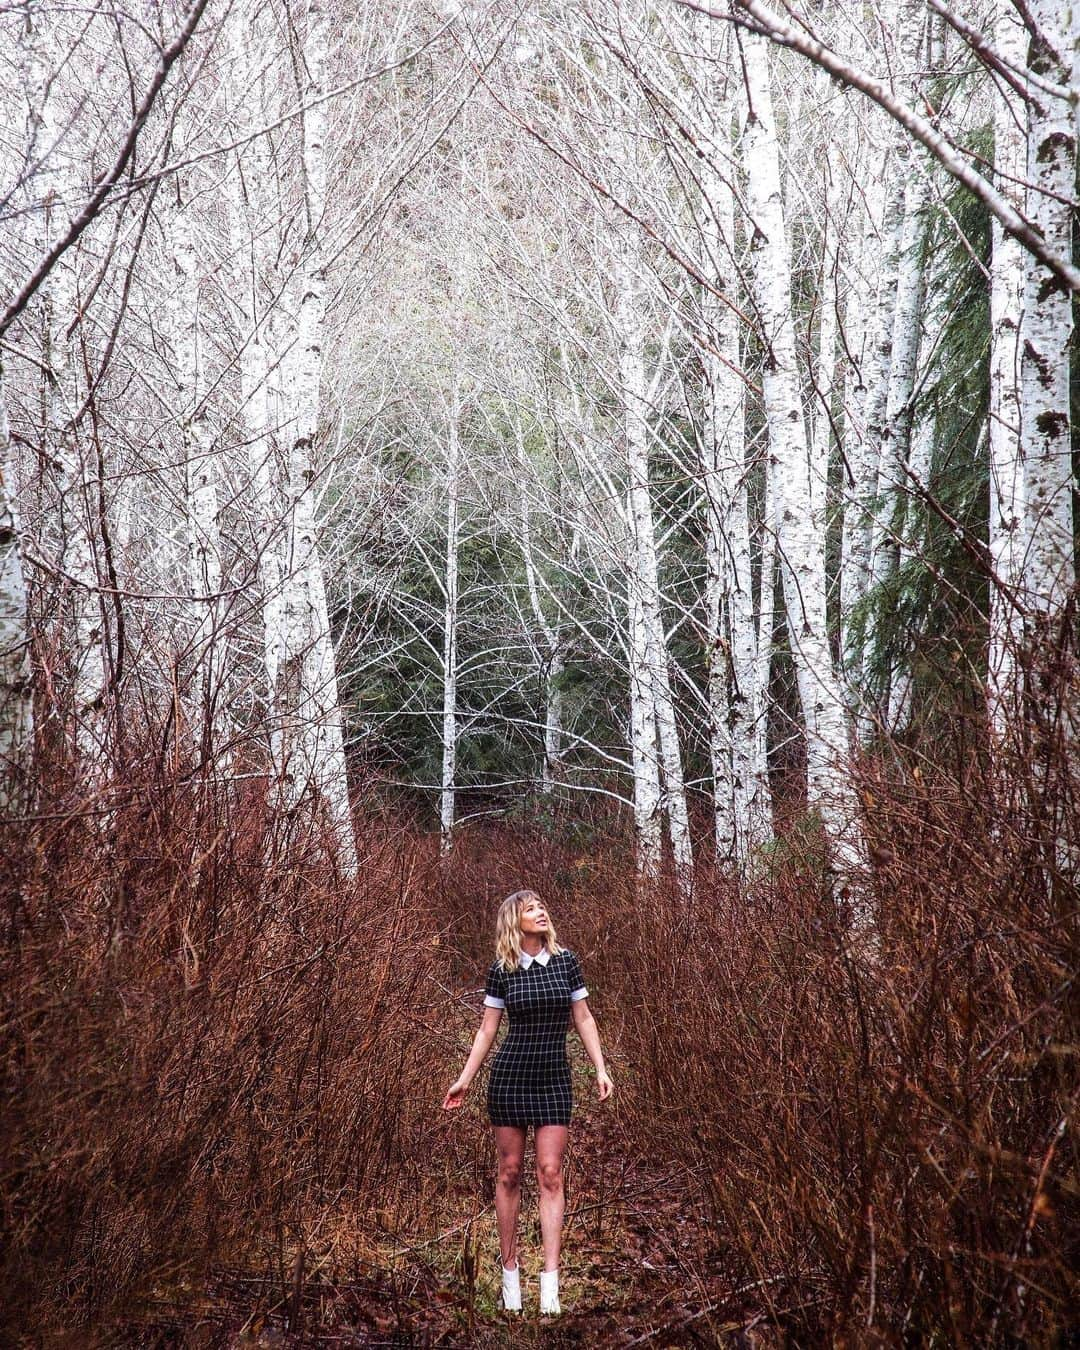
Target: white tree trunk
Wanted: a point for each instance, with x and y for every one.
(642, 563)
(1046, 326)
(826, 365)
(914, 536)
(310, 641)
(859, 473)
(644, 737)
(553, 704)
(861, 508)
(208, 710)
(75, 483)
(644, 754)
(552, 663)
(870, 515)
(1007, 508)
(741, 799)
(670, 753)
(766, 611)
(892, 481)
(16, 685)
(800, 536)
(280, 406)
(257, 343)
(450, 626)
(1046, 331)
(725, 833)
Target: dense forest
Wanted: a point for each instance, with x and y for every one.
(627, 449)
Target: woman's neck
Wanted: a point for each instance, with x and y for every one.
(532, 943)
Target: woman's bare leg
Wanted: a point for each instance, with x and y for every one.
(510, 1143)
(550, 1150)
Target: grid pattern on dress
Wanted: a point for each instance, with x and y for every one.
(529, 1083)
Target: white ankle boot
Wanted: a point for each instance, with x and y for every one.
(511, 1289)
(549, 1291)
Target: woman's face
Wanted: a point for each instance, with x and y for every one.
(534, 917)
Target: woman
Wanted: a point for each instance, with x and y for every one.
(538, 983)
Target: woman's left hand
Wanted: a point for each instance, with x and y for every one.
(604, 1086)
(455, 1095)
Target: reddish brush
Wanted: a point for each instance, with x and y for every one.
(215, 1049)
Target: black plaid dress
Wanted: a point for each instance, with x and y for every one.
(529, 1083)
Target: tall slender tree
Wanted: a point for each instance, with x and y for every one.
(800, 531)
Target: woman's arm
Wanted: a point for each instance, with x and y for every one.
(585, 1024)
(482, 1043)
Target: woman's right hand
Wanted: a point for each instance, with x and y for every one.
(455, 1095)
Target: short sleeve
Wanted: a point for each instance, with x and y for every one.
(577, 982)
(495, 988)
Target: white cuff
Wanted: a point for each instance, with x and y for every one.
(490, 1001)
(579, 993)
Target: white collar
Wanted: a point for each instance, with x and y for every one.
(527, 959)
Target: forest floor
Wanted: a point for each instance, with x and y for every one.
(631, 1274)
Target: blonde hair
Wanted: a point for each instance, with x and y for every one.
(508, 930)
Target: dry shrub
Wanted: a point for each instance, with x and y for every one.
(214, 1048)
(889, 1148)
(209, 1047)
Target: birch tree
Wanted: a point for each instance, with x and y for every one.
(1046, 323)
(450, 616)
(649, 689)
(309, 641)
(800, 534)
(16, 686)
(51, 128)
(552, 664)
(650, 685)
(898, 319)
(281, 317)
(1007, 505)
(255, 284)
(201, 462)
(737, 724)
(895, 445)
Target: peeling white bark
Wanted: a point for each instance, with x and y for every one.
(254, 279)
(552, 665)
(1007, 505)
(310, 640)
(643, 567)
(892, 481)
(859, 481)
(450, 625)
(75, 481)
(1046, 325)
(644, 756)
(912, 541)
(281, 398)
(825, 377)
(866, 464)
(206, 700)
(16, 683)
(737, 741)
(800, 537)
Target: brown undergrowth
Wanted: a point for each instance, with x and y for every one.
(224, 1067)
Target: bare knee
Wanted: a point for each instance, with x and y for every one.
(510, 1175)
(549, 1175)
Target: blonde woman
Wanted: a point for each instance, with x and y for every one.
(538, 983)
